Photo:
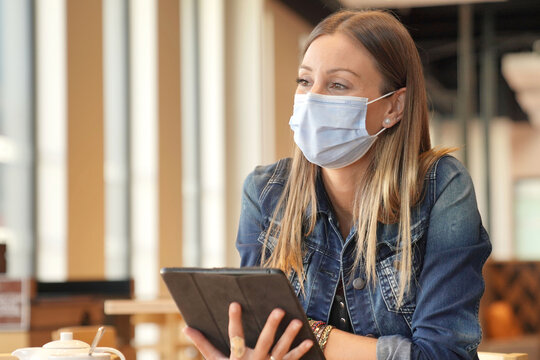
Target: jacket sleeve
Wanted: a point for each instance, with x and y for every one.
(251, 224)
(445, 323)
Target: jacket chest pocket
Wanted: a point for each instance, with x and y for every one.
(389, 278)
(271, 243)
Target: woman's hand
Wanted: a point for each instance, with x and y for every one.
(264, 343)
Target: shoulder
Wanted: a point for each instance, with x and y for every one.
(448, 182)
(276, 173)
(265, 175)
(447, 167)
(266, 182)
(445, 171)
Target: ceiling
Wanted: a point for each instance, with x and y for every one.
(406, 3)
(435, 31)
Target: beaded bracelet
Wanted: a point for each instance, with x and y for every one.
(321, 331)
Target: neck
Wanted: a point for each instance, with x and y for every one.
(341, 186)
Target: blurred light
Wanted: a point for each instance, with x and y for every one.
(522, 72)
(7, 150)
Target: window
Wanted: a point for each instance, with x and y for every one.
(527, 218)
(16, 136)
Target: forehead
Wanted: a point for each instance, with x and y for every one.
(338, 50)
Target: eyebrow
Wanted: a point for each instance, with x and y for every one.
(332, 70)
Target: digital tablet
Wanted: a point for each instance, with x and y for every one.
(203, 297)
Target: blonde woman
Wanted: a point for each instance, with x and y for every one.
(379, 232)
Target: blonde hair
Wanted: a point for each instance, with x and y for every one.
(402, 156)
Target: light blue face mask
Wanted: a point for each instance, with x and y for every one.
(331, 130)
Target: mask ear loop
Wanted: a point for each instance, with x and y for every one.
(381, 97)
(380, 131)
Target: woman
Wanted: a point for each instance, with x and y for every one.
(379, 232)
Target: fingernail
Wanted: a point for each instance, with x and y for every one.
(297, 324)
(278, 313)
(234, 307)
(308, 343)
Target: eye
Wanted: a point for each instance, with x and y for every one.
(337, 86)
(302, 82)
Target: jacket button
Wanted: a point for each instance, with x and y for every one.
(359, 283)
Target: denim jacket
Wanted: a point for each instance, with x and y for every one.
(438, 318)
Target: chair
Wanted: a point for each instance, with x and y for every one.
(510, 310)
(501, 356)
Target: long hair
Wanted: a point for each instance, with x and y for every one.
(393, 183)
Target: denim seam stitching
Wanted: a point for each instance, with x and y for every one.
(269, 184)
(477, 310)
(373, 308)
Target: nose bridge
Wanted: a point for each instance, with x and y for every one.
(319, 86)
(318, 81)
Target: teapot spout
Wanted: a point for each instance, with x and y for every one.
(26, 353)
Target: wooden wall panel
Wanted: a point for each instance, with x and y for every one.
(85, 243)
(170, 146)
(289, 29)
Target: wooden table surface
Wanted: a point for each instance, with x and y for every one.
(134, 306)
(160, 311)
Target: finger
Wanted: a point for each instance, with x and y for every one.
(284, 343)
(236, 331)
(299, 351)
(268, 333)
(205, 347)
(235, 320)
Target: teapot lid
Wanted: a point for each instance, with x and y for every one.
(66, 342)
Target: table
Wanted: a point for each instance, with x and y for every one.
(131, 307)
(160, 311)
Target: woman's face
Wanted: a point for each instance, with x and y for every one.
(337, 65)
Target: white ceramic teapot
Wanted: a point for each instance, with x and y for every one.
(66, 349)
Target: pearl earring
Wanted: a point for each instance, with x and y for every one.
(387, 121)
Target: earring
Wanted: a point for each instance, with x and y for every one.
(387, 121)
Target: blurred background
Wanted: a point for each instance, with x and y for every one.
(128, 126)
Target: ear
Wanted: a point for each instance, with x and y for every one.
(395, 112)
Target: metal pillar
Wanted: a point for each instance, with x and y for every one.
(466, 72)
(488, 97)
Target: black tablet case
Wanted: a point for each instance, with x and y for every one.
(203, 297)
